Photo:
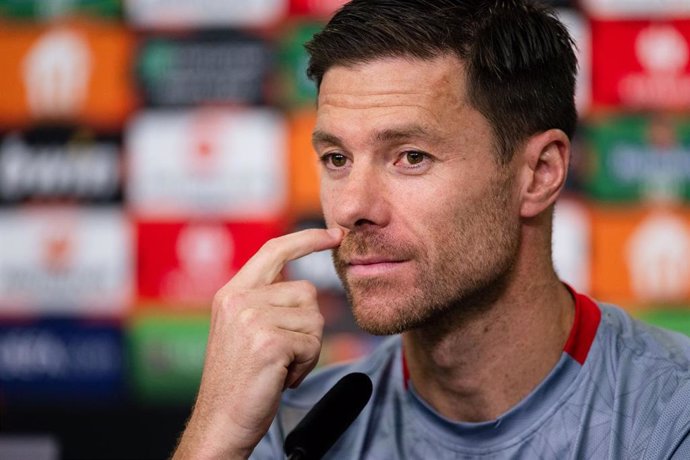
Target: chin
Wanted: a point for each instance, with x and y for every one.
(387, 307)
(376, 326)
(384, 316)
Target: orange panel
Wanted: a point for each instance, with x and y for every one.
(304, 166)
(73, 71)
(641, 256)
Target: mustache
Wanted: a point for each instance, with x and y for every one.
(356, 244)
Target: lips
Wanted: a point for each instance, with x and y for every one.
(373, 266)
(368, 254)
(371, 260)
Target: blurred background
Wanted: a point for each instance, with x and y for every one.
(149, 147)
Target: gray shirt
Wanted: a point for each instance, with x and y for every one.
(621, 390)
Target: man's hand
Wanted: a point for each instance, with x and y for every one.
(265, 336)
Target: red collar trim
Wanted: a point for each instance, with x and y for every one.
(585, 325)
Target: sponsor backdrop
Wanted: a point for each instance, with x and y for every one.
(149, 147)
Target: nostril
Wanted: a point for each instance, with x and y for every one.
(363, 223)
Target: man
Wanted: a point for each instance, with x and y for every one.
(444, 132)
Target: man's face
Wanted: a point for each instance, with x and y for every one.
(409, 172)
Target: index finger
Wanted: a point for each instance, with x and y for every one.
(264, 266)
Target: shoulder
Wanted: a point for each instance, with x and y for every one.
(626, 338)
(647, 371)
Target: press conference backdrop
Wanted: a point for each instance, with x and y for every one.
(149, 147)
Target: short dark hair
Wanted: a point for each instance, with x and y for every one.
(519, 57)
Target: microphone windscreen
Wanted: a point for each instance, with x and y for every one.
(329, 418)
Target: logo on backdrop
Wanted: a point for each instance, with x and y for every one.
(662, 49)
(203, 247)
(226, 163)
(658, 256)
(206, 136)
(56, 359)
(58, 248)
(205, 253)
(663, 53)
(61, 260)
(56, 73)
(64, 165)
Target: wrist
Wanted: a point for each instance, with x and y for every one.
(204, 440)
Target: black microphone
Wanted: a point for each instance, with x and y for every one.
(329, 418)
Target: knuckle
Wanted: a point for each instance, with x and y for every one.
(319, 320)
(272, 245)
(263, 340)
(219, 299)
(249, 317)
(307, 290)
(226, 300)
(314, 344)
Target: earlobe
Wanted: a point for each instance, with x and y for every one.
(547, 156)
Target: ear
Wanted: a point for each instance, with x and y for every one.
(543, 172)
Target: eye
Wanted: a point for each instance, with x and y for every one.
(413, 162)
(334, 160)
(414, 157)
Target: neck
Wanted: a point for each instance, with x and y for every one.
(477, 362)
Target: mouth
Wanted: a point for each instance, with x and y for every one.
(374, 266)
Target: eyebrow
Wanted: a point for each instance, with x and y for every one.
(387, 135)
(322, 137)
(402, 133)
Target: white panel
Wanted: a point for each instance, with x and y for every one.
(229, 164)
(571, 244)
(579, 30)
(643, 9)
(65, 260)
(186, 13)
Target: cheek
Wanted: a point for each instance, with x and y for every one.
(429, 217)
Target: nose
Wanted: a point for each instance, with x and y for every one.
(357, 200)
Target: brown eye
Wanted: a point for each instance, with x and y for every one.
(414, 158)
(338, 160)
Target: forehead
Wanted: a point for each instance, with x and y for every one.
(433, 87)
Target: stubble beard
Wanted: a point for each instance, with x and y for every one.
(461, 275)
